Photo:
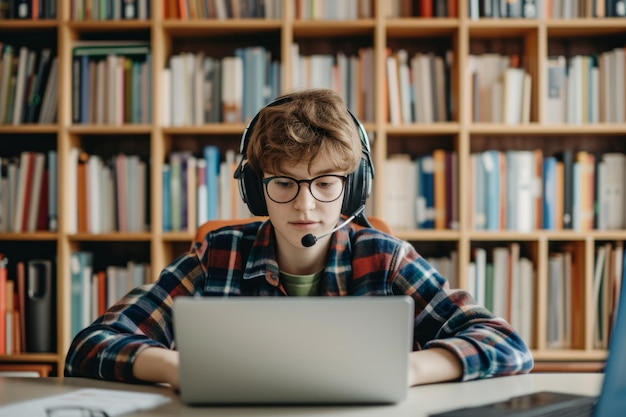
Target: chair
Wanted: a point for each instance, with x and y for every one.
(210, 225)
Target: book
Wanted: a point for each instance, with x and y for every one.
(3, 301)
(40, 306)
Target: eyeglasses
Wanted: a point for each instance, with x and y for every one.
(324, 188)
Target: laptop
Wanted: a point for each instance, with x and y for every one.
(274, 350)
(610, 402)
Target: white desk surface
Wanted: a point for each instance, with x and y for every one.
(421, 401)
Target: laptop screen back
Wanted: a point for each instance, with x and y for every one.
(293, 350)
(612, 399)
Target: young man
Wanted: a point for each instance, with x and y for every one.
(305, 161)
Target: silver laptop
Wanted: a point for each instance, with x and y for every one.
(314, 350)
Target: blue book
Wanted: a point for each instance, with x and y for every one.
(212, 159)
(511, 190)
(549, 193)
(85, 84)
(81, 269)
(491, 171)
(427, 190)
(166, 203)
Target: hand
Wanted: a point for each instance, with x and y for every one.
(433, 365)
(158, 365)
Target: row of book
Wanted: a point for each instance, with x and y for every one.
(93, 290)
(503, 281)
(200, 188)
(549, 9)
(223, 9)
(351, 75)
(27, 306)
(418, 87)
(419, 8)
(527, 190)
(107, 194)
(26, 93)
(28, 9)
(607, 280)
(199, 89)
(110, 9)
(28, 192)
(587, 88)
(516, 190)
(567, 295)
(421, 192)
(501, 89)
(111, 82)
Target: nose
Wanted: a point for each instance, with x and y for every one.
(304, 200)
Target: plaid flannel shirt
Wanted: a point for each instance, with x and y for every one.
(241, 261)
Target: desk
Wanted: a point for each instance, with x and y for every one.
(420, 402)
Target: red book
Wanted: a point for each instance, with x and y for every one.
(21, 297)
(426, 8)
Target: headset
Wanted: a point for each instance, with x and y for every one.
(358, 184)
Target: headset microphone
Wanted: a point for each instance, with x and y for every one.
(309, 240)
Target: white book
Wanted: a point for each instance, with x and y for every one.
(177, 92)
(525, 189)
(166, 103)
(404, 85)
(400, 192)
(94, 214)
(527, 300)
(555, 271)
(480, 260)
(424, 78)
(232, 89)
(594, 95)
(615, 170)
(555, 90)
(201, 197)
(513, 88)
(598, 276)
(321, 70)
(395, 115)
(515, 285)
(500, 256)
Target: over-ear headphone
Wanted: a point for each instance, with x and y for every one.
(358, 184)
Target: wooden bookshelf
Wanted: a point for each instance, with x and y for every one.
(220, 37)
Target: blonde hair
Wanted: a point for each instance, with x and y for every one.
(301, 127)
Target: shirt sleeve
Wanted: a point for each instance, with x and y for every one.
(484, 344)
(143, 318)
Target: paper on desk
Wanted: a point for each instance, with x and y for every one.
(111, 402)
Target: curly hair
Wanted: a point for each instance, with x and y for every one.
(304, 126)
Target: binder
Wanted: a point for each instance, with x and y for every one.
(40, 307)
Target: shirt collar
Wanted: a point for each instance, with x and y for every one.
(262, 260)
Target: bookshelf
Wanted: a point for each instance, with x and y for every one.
(533, 39)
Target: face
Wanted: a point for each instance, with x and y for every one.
(305, 214)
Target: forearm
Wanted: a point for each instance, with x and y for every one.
(157, 365)
(433, 365)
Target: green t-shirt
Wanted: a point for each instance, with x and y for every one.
(301, 285)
